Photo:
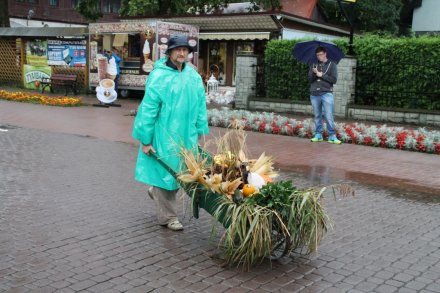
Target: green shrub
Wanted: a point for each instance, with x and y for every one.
(392, 72)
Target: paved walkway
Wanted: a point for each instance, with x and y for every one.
(392, 168)
(72, 219)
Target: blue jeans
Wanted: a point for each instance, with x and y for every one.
(318, 102)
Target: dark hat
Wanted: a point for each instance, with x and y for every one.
(178, 40)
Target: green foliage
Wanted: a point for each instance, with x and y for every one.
(285, 78)
(405, 67)
(278, 216)
(248, 240)
(391, 72)
(89, 9)
(368, 15)
(182, 7)
(274, 196)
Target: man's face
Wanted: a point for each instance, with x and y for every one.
(322, 56)
(179, 55)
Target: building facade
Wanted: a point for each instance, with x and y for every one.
(224, 34)
(55, 13)
(426, 17)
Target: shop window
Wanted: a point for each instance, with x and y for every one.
(244, 48)
(112, 6)
(33, 1)
(134, 45)
(53, 2)
(217, 61)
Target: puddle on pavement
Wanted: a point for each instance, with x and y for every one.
(321, 175)
(6, 127)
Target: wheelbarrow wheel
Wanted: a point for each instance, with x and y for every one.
(281, 245)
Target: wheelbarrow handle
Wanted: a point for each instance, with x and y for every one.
(165, 165)
(171, 170)
(196, 198)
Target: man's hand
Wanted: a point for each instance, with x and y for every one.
(147, 149)
(318, 73)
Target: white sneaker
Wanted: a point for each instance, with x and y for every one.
(150, 192)
(175, 225)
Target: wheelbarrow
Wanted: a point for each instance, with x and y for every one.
(210, 202)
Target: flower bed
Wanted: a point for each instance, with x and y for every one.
(40, 99)
(420, 140)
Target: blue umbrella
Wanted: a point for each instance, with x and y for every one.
(304, 52)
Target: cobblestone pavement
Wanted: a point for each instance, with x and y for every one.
(72, 219)
(376, 166)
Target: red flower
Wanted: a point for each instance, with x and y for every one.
(401, 137)
(350, 133)
(276, 130)
(297, 128)
(262, 127)
(437, 148)
(290, 130)
(383, 138)
(368, 140)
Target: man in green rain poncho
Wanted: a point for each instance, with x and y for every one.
(172, 115)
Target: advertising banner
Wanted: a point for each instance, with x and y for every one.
(32, 75)
(36, 53)
(67, 52)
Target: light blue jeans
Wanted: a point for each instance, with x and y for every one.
(325, 101)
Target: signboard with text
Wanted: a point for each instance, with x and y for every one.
(33, 75)
(67, 52)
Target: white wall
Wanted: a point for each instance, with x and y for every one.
(19, 22)
(290, 34)
(427, 17)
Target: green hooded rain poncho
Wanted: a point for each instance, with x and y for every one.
(172, 115)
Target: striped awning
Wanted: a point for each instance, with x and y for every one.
(45, 31)
(235, 36)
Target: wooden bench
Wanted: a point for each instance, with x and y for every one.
(64, 80)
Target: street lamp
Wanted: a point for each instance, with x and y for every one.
(29, 16)
(350, 19)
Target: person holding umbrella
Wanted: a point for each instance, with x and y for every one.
(322, 76)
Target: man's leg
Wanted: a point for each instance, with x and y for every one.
(328, 103)
(166, 206)
(317, 111)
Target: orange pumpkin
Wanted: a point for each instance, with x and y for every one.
(248, 190)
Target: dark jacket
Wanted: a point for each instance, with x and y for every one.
(324, 84)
